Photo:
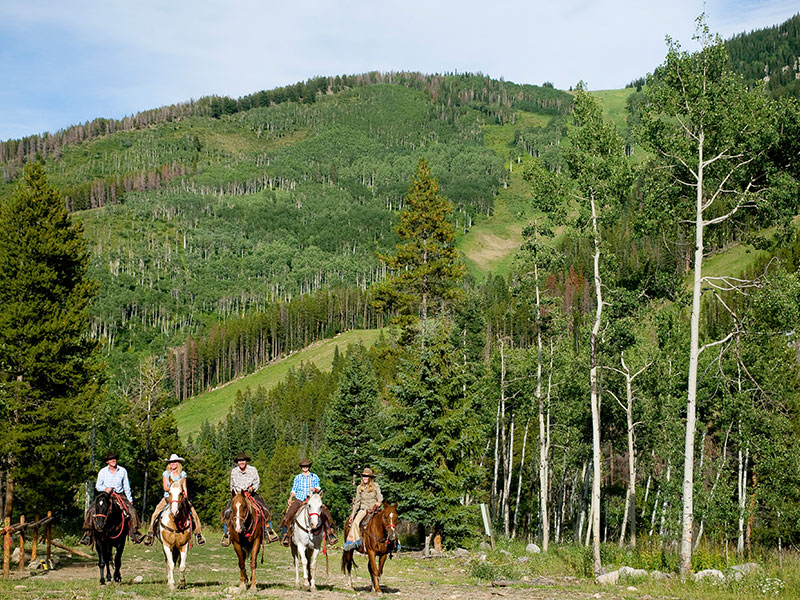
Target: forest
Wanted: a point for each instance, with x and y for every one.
(630, 382)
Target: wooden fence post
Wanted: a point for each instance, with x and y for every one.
(6, 548)
(48, 537)
(35, 541)
(22, 543)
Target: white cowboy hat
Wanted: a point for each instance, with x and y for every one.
(174, 458)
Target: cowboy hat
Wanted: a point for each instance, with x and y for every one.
(304, 462)
(368, 473)
(110, 456)
(241, 456)
(174, 458)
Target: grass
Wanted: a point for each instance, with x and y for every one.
(214, 405)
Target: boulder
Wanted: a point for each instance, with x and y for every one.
(506, 552)
(631, 572)
(713, 574)
(523, 559)
(746, 568)
(610, 578)
(532, 549)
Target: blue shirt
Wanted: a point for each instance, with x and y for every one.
(170, 477)
(117, 481)
(302, 485)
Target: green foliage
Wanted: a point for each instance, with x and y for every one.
(50, 377)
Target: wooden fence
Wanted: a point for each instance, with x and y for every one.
(20, 529)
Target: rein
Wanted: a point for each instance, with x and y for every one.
(260, 517)
(310, 530)
(112, 496)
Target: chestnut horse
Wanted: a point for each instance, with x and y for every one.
(378, 539)
(247, 534)
(109, 530)
(175, 531)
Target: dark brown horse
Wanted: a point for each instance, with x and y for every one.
(379, 539)
(249, 522)
(109, 530)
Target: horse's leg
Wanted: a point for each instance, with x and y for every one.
(254, 559)
(303, 552)
(184, 553)
(118, 560)
(381, 560)
(373, 572)
(313, 568)
(170, 564)
(101, 559)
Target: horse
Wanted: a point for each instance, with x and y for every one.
(307, 536)
(109, 530)
(174, 528)
(378, 540)
(247, 533)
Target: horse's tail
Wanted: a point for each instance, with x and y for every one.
(347, 561)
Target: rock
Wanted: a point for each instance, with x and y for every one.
(630, 588)
(714, 574)
(660, 576)
(482, 558)
(598, 595)
(532, 549)
(631, 572)
(523, 559)
(232, 590)
(461, 552)
(746, 568)
(483, 546)
(138, 579)
(506, 552)
(608, 578)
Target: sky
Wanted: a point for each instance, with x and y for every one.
(64, 62)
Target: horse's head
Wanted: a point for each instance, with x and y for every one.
(389, 519)
(314, 505)
(240, 510)
(103, 505)
(175, 492)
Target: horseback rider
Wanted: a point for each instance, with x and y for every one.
(113, 479)
(305, 484)
(244, 478)
(174, 472)
(368, 497)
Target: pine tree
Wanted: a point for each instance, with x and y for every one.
(49, 374)
(350, 430)
(425, 268)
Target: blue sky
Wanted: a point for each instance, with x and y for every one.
(64, 62)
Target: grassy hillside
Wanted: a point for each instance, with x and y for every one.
(214, 405)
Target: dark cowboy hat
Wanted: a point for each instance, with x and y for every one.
(241, 456)
(304, 462)
(368, 473)
(110, 456)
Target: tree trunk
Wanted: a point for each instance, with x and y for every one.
(519, 479)
(694, 357)
(595, 402)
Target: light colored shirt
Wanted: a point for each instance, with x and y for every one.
(303, 484)
(241, 481)
(170, 477)
(117, 481)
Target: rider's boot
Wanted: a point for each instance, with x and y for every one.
(332, 539)
(200, 539)
(148, 539)
(137, 537)
(87, 538)
(285, 536)
(271, 535)
(226, 536)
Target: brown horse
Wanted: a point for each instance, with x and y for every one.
(379, 539)
(175, 530)
(249, 522)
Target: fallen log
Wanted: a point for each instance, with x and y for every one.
(71, 550)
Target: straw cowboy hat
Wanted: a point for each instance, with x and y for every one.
(174, 458)
(241, 456)
(304, 462)
(368, 473)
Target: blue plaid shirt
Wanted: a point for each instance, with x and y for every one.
(302, 485)
(117, 481)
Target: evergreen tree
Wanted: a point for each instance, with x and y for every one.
(349, 430)
(49, 375)
(425, 268)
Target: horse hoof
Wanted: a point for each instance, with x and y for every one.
(313, 588)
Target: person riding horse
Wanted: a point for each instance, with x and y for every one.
(368, 497)
(304, 484)
(113, 479)
(244, 478)
(174, 472)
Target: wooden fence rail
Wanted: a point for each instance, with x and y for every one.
(20, 529)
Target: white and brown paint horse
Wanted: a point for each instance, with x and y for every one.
(175, 532)
(307, 536)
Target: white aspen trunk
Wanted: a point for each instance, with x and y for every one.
(723, 462)
(596, 456)
(653, 515)
(507, 485)
(503, 440)
(694, 356)
(742, 489)
(495, 502)
(585, 476)
(519, 479)
(664, 503)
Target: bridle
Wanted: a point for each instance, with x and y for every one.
(308, 528)
(106, 515)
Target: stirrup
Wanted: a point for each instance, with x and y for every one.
(226, 540)
(200, 539)
(148, 539)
